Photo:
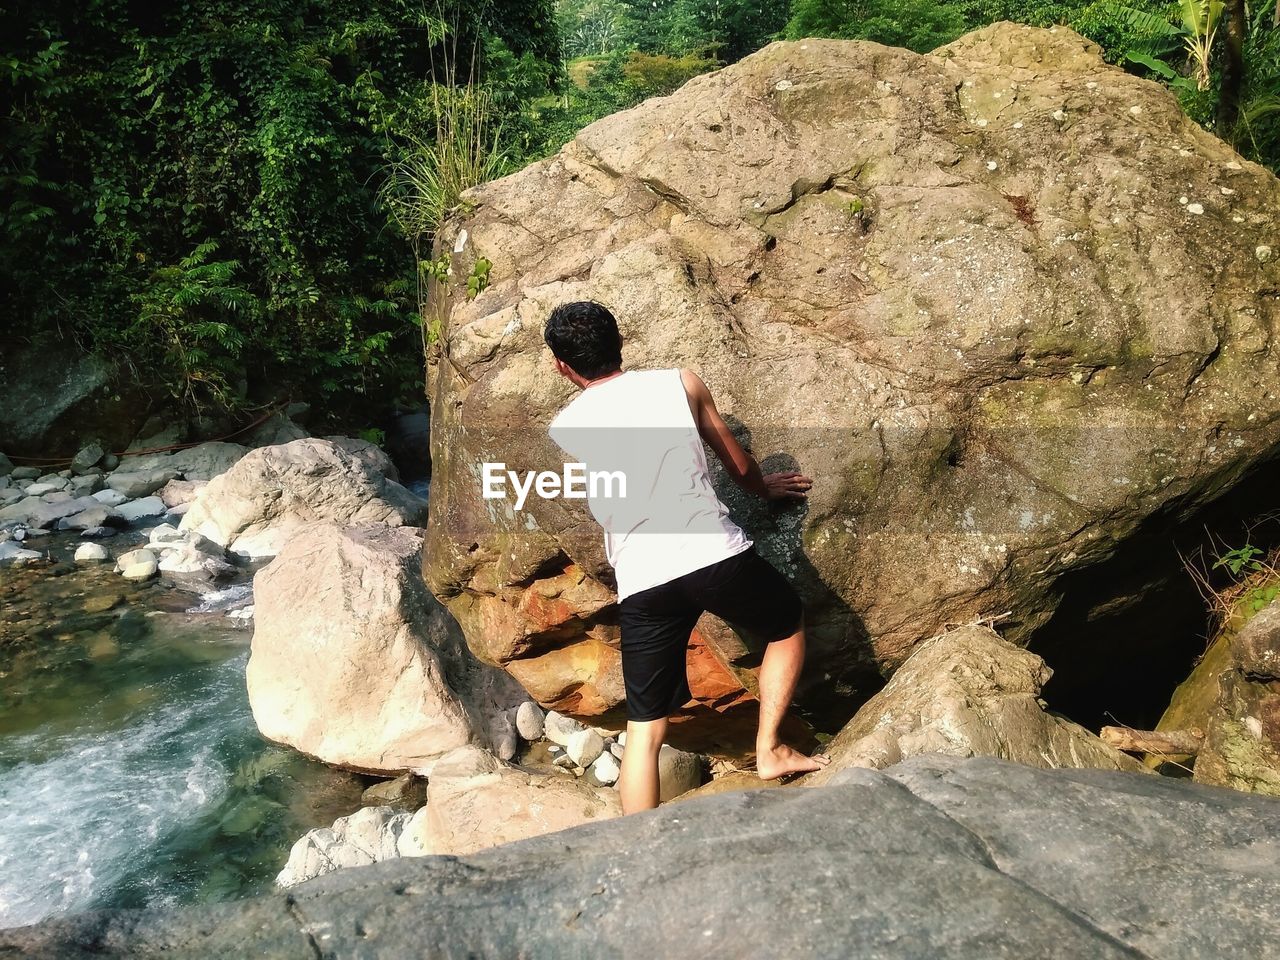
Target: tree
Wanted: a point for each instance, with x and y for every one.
(140, 139)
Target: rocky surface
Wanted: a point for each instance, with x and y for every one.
(1242, 732)
(934, 857)
(274, 492)
(927, 281)
(475, 801)
(370, 835)
(355, 663)
(52, 394)
(966, 693)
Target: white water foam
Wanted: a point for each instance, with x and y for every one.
(73, 825)
(228, 598)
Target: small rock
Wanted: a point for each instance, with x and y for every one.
(88, 456)
(564, 762)
(101, 604)
(109, 462)
(502, 735)
(605, 769)
(40, 488)
(140, 483)
(141, 571)
(1262, 253)
(187, 560)
(166, 535)
(91, 553)
(12, 552)
(99, 515)
(678, 772)
(136, 558)
(529, 721)
(406, 790)
(140, 509)
(6, 466)
(616, 750)
(1195, 209)
(558, 728)
(112, 498)
(584, 747)
(25, 473)
(98, 533)
(86, 485)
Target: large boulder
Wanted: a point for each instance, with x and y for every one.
(1000, 301)
(206, 460)
(937, 857)
(1242, 736)
(273, 492)
(475, 801)
(54, 395)
(355, 663)
(966, 693)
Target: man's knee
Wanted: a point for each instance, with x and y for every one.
(646, 735)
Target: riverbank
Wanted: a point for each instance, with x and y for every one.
(131, 771)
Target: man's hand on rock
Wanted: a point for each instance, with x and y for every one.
(786, 486)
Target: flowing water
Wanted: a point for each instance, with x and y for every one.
(131, 772)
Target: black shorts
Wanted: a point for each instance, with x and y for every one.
(743, 590)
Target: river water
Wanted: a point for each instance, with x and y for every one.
(131, 772)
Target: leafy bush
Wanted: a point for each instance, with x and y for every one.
(920, 25)
(193, 187)
(656, 74)
(1125, 31)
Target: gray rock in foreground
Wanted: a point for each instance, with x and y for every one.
(936, 857)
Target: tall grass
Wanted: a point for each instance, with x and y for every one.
(429, 174)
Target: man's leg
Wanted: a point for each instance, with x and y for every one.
(638, 782)
(779, 672)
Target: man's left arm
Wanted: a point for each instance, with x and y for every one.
(740, 465)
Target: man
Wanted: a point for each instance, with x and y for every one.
(673, 548)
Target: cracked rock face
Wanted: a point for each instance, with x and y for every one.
(1001, 302)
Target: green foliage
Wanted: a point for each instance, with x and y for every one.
(1258, 597)
(920, 25)
(657, 74)
(429, 175)
(1257, 134)
(1037, 13)
(478, 278)
(589, 27)
(1133, 32)
(1241, 560)
(374, 435)
(178, 313)
(194, 186)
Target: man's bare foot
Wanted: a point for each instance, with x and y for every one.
(782, 760)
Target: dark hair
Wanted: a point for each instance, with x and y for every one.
(585, 336)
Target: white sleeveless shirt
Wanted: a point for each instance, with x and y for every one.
(670, 522)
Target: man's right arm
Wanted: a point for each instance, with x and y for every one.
(739, 464)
